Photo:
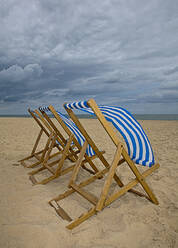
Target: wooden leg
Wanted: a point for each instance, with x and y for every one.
(51, 144)
(64, 154)
(37, 141)
(109, 178)
(140, 178)
(82, 218)
(78, 163)
(89, 160)
(47, 146)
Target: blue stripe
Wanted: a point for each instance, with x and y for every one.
(80, 104)
(75, 106)
(85, 104)
(71, 125)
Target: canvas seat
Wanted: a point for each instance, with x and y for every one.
(138, 151)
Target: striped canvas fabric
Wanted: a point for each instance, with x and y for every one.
(74, 129)
(138, 145)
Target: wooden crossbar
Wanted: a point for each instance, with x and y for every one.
(78, 163)
(37, 141)
(87, 195)
(50, 169)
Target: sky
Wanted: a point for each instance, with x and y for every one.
(119, 52)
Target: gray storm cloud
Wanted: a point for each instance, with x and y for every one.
(17, 74)
(119, 52)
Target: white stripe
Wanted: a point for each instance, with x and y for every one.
(72, 105)
(82, 103)
(77, 105)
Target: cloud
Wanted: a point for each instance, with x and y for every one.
(119, 52)
(172, 71)
(17, 74)
(170, 86)
(170, 96)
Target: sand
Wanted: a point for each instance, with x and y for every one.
(27, 221)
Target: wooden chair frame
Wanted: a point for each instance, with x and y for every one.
(67, 151)
(38, 155)
(120, 157)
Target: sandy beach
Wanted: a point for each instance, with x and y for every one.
(27, 220)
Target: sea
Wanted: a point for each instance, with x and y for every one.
(166, 117)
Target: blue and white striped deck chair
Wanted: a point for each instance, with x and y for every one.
(78, 139)
(71, 146)
(55, 140)
(138, 145)
(135, 139)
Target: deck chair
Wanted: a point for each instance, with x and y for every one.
(70, 146)
(138, 152)
(36, 153)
